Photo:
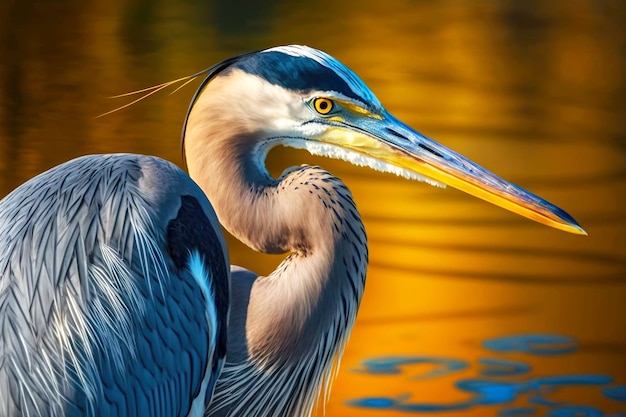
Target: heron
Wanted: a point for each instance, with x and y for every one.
(116, 293)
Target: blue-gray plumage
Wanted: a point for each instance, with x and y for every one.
(100, 311)
(114, 288)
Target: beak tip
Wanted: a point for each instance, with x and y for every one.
(571, 224)
(574, 227)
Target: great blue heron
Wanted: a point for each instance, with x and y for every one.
(114, 281)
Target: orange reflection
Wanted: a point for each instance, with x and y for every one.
(533, 91)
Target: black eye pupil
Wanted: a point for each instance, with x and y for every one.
(323, 105)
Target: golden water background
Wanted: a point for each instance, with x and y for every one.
(534, 91)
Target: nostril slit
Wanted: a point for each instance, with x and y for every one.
(431, 150)
(396, 134)
(421, 145)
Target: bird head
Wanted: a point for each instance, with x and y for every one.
(301, 97)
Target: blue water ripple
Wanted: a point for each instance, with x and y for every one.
(497, 392)
(574, 380)
(546, 385)
(400, 404)
(503, 367)
(617, 393)
(517, 411)
(390, 365)
(575, 411)
(374, 402)
(492, 392)
(535, 344)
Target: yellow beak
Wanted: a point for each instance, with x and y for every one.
(392, 143)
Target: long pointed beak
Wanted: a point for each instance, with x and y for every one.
(391, 141)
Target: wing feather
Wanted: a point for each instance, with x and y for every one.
(96, 318)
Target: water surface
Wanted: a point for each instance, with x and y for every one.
(535, 91)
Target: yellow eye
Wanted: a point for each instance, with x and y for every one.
(323, 105)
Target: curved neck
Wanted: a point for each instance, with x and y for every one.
(222, 151)
(315, 292)
(296, 321)
(236, 188)
(307, 212)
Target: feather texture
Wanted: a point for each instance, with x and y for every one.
(298, 319)
(95, 317)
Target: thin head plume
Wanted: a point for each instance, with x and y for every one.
(147, 92)
(210, 73)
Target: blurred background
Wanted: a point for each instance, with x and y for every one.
(469, 310)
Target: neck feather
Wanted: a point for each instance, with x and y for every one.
(307, 212)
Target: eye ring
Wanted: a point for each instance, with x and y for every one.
(323, 105)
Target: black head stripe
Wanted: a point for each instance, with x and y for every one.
(298, 73)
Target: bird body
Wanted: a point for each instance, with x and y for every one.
(102, 311)
(114, 292)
